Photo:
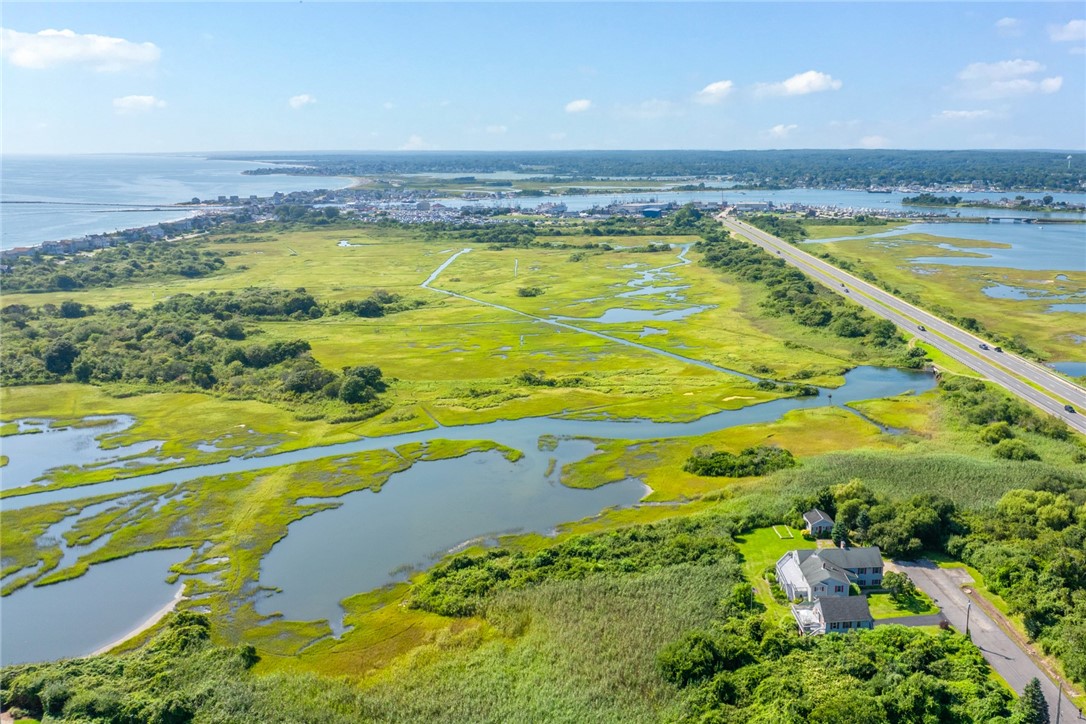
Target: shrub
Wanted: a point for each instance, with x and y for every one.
(692, 658)
(996, 432)
(1014, 450)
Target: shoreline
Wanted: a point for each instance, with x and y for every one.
(150, 621)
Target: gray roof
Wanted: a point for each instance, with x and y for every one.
(816, 569)
(845, 608)
(852, 557)
(816, 516)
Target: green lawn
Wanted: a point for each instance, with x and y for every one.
(762, 549)
(884, 606)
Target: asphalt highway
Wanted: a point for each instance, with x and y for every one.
(1027, 380)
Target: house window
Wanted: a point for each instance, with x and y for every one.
(861, 570)
(834, 625)
(838, 589)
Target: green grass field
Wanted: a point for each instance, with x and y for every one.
(456, 361)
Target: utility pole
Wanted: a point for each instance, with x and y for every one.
(1059, 700)
(968, 610)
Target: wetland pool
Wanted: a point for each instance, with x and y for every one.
(371, 539)
(1032, 247)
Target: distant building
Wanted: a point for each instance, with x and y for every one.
(752, 206)
(652, 213)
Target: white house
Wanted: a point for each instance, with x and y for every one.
(828, 572)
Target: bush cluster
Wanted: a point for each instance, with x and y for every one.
(186, 342)
(751, 461)
(109, 267)
(460, 585)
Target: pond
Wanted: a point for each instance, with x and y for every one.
(419, 515)
(622, 315)
(77, 617)
(1032, 246)
(372, 538)
(1071, 369)
(42, 445)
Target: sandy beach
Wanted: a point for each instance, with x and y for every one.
(148, 623)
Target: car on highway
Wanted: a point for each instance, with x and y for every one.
(998, 349)
(922, 328)
(983, 346)
(1068, 408)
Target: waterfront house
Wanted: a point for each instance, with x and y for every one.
(813, 574)
(819, 524)
(833, 615)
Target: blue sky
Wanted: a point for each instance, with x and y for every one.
(147, 77)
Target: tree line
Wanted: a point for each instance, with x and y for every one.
(802, 168)
(138, 261)
(208, 342)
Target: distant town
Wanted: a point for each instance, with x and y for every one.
(428, 206)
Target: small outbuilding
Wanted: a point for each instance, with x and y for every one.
(818, 522)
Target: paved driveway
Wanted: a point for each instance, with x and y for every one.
(943, 585)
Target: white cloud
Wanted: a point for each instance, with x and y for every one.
(496, 129)
(137, 104)
(874, 142)
(51, 48)
(1006, 78)
(415, 143)
(963, 115)
(800, 84)
(301, 101)
(714, 92)
(1073, 31)
(1050, 85)
(578, 106)
(781, 130)
(1009, 27)
(1002, 70)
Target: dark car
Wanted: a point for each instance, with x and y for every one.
(998, 349)
(1068, 408)
(983, 346)
(922, 328)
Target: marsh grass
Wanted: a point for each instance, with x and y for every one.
(958, 290)
(554, 653)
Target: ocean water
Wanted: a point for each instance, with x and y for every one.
(45, 198)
